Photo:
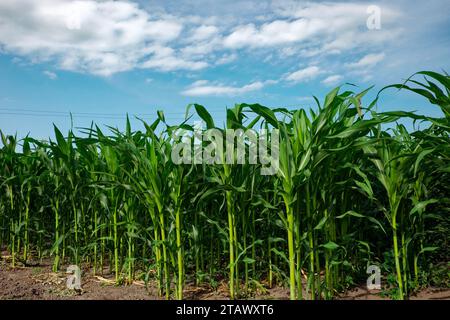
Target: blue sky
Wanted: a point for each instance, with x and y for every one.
(102, 59)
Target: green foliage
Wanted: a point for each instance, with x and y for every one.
(347, 194)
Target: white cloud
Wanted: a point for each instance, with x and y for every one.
(367, 61)
(363, 68)
(227, 58)
(200, 50)
(165, 59)
(367, 77)
(305, 74)
(204, 32)
(327, 26)
(269, 34)
(51, 75)
(99, 37)
(288, 51)
(103, 37)
(331, 80)
(203, 88)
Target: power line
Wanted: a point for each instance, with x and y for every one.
(180, 118)
(63, 115)
(89, 113)
(170, 116)
(26, 112)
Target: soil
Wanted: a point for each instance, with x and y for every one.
(38, 282)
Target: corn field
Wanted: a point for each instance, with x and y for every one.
(353, 188)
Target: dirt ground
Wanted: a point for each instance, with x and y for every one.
(38, 282)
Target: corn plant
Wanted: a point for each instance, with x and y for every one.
(353, 186)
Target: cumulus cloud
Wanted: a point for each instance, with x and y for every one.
(273, 33)
(106, 37)
(331, 80)
(99, 37)
(204, 32)
(204, 88)
(327, 26)
(227, 58)
(165, 59)
(367, 61)
(302, 75)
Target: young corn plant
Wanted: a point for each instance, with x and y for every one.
(119, 200)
